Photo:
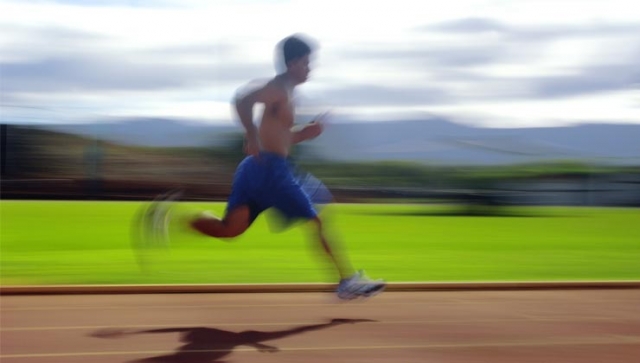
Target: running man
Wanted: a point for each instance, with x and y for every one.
(266, 178)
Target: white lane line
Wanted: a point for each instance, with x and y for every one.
(398, 322)
(610, 340)
(336, 303)
(183, 307)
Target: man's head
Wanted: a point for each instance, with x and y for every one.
(295, 52)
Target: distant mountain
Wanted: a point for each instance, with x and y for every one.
(432, 140)
(441, 141)
(156, 132)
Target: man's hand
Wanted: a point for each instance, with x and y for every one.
(318, 125)
(314, 129)
(307, 132)
(311, 130)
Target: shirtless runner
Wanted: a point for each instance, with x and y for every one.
(266, 179)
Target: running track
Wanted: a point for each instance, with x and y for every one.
(401, 327)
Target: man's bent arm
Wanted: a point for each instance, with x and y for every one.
(306, 132)
(244, 108)
(244, 104)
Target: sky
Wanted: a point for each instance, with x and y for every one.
(491, 63)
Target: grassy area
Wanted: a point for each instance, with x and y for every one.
(89, 242)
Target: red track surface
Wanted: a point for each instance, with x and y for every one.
(500, 326)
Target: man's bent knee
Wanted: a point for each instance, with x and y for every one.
(234, 224)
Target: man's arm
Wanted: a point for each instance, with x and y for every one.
(267, 94)
(306, 132)
(309, 131)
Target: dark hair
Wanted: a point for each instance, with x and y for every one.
(294, 47)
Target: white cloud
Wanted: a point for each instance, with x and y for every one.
(493, 89)
(618, 107)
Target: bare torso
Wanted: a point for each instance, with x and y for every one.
(277, 120)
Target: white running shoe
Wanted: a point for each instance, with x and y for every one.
(359, 285)
(159, 216)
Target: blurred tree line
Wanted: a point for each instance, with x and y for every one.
(29, 152)
(24, 152)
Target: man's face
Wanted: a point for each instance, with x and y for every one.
(299, 69)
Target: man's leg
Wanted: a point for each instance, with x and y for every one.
(338, 259)
(234, 223)
(352, 285)
(294, 202)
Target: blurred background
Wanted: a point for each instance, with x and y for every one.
(442, 114)
(490, 102)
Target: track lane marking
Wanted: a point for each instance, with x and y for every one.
(393, 322)
(610, 340)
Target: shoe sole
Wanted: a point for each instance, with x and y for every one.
(374, 292)
(162, 205)
(365, 296)
(150, 236)
(145, 237)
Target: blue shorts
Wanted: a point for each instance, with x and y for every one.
(271, 181)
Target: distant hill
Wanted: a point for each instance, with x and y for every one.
(441, 141)
(156, 132)
(432, 140)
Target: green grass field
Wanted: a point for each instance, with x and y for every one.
(89, 243)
